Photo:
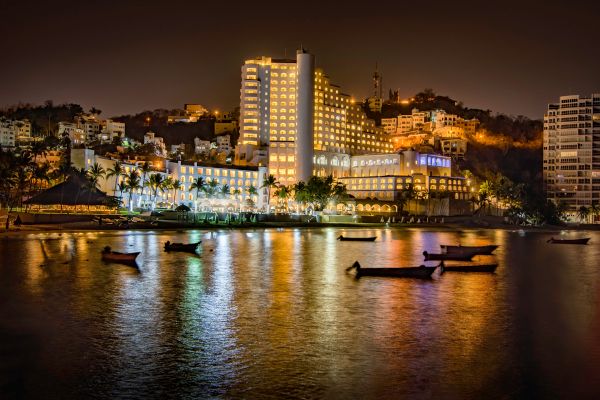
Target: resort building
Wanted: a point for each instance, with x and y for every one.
(385, 176)
(291, 112)
(571, 152)
(238, 181)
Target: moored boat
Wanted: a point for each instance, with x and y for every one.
(117, 257)
(476, 250)
(468, 268)
(420, 272)
(357, 239)
(187, 247)
(569, 241)
(465, 256)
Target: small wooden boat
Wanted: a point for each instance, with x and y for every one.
(117, 257)
(420, 272)
(468, 268)
(357, 239)
(187, 247)
(476, 250)
(465, 256)
(569, 241)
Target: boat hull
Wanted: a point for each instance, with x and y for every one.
(421, 272)
(188, 248)
(357, 239)
(121, 258)
(569, 241)
(477, 250)
(448, 257)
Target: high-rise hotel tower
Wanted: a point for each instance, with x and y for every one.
(571, 152)
(293, 119)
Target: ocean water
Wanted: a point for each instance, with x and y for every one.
(272, 313)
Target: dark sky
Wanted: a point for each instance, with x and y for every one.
(125, 57)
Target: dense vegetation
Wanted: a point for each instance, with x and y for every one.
(45, 118)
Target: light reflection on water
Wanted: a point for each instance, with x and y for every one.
(272, 312)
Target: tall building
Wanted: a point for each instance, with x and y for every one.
(291, 115)
(571, 152)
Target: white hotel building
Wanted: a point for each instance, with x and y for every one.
(293, 119)
(571, 152)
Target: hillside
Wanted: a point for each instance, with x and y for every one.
(511, 145)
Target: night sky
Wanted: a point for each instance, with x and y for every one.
(508, 57)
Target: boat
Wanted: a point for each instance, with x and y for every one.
(188, 247)
(477, 250)
(117, 257)
(569, 241)
(357, 239)
(420, 272)
(468, 268)
(465, 256)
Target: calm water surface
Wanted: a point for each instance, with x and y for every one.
(272, 313)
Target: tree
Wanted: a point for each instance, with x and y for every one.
(133, 183)
(283, 192)
(176, 185)
(269, 182)
(116, 171)
(583, 213)
(225, 191)
(94, 174)
(301, 194)
(322, 190)
(144, 169)
(251, 190)
(94, 110)
(122, 187)
(155, 183)
(197, 185)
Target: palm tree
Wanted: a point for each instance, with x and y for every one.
(236, 194)
(133, 183)
(95, 173)
(301, 194)
(269, 182)
(144, 169)
(594, 210)
(225, 191)
(583, 213)
(283, 192)
(199, 184)
(176, 185)
(251, 190)
(155, 182)
(122, 187)
(116, 171)
(167, 186)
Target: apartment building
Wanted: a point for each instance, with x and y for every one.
(571, 152)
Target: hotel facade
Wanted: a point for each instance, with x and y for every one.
(292, 116)
(294, 120)
(571, 152)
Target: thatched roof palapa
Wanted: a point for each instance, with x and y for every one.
(75, 191)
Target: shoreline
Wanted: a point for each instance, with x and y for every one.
(166, 226)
